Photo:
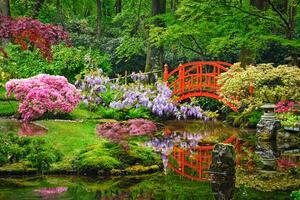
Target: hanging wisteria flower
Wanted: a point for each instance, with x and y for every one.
(157, 98)
(43, 93)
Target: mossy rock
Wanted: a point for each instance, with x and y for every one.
(266, 181)
(106, 156)
(136, 169)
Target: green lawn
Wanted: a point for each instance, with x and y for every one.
(70, 137)
(8, 108)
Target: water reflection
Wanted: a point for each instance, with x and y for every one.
(147, 187)
(22, 128)
(188, 135)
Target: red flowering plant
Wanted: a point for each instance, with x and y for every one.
(26, 31)
(288, 113)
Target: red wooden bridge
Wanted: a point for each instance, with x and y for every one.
(196, 79)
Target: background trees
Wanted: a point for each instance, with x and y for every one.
(142, 34)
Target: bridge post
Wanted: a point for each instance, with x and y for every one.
(166, 74)
(181, 78)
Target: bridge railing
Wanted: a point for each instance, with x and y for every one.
(195, 163)
(195, 76)
(197, 79)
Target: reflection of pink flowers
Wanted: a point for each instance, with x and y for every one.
(43, 93)
(285, 163)
(51, 191)
(30, 129)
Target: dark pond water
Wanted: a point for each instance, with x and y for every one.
(22, 128)
(155, 186)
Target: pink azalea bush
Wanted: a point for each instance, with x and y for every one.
(43, 93)
(118, 131)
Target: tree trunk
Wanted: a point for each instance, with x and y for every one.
(98, 34)
(259, 4)
(156, 54)
(246, 54)
(118, 6)
(37, 8)
(174, 4)
(4, 8)
(4, 11)
(149, 63)
(60, 16)
(292, 12)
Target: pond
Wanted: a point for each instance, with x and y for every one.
(186, 135)
(22, 128)
(155, 186)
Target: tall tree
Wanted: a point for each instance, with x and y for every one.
(4, 11)
(60, 16)
(156, 54)
(99, 14)
(4, 7)
(118, 6)
(37, 8)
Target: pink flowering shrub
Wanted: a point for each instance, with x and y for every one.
(118, 131)
(43, 93)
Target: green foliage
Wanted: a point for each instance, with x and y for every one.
(270, 85)
(289, 119)
(244, 119)
(296, 195)
(107, 156)
(111, 113)
(42, 155)
(263, 181)
(15, 149)
(8, 108)
(140, 112)
(66, 61)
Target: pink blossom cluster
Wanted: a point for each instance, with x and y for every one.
(43, 93)
(117, 131)
(286, 106)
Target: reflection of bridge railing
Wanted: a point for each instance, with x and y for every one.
(194, 164)
(197, 79)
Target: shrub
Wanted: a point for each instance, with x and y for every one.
(26, 31)
(66, 61)
(118, 131)
(41, 155)
(15, 149)
(270, 85)
(43, 93)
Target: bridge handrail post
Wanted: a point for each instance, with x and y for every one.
(166, 74)
(181, 78)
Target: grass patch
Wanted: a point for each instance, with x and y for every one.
(8, 108)
(70, 137)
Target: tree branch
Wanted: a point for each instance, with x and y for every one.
(189, 48)
(195, 41)
(280, 14)
(249, 13)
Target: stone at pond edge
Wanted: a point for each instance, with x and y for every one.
(222, 171)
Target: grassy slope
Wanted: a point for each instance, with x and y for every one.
(70, 137)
